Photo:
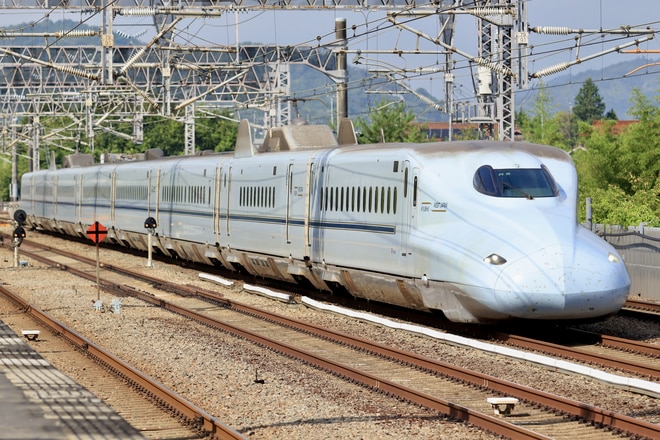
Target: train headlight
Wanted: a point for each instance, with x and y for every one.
(495, 260)
(612, 258)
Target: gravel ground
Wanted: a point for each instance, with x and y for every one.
(218, 372)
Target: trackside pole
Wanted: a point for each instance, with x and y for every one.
(97, 233)
(150, 251)
(98, 286)
(150, 225)
(19, 233)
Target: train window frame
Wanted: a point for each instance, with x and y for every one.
(394, 200)
(405, 183)
(341, 204)
(389, 199)
(371, 194)
(415, 183)
(352, 198)
(527, 183)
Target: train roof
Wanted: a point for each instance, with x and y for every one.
(313, 137)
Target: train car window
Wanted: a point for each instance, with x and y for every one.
(515, 182)
(352, 199)
(358, 199)
(394, 201)
(382, 200)
(484, 180)
(336, 198)
(371, 189)
(376, 200)
(405, 183)
(389, 198)
(415, 191)
(364, 199)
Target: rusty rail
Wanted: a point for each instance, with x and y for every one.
(195, 415)
(499, 426)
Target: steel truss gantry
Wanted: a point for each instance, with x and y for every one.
(98, 84)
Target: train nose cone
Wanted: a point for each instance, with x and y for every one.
(564, 282)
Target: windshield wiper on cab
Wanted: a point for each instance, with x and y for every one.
(518, 190)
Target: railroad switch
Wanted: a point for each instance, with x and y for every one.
(502, 405)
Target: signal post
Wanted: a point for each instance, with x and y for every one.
(97, 233)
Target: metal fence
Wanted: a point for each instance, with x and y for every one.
(640, 248)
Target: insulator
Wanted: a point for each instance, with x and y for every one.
(552, 30)
(131, 61)
(76, 33)
(76, 72)
(491, 65)
(138, 12)
(551, 70)
(490, 11)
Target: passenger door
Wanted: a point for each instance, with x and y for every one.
(298, 207)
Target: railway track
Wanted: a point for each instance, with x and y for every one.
(153, 409)
(404, 375)
(625, 355)
(642, 309)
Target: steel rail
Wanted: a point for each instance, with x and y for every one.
(582, 355)
(634, 304)
(567, 406)
(481, 420)
(195, 415)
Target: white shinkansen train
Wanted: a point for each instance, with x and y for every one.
(482, 231)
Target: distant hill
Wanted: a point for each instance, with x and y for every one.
(614, 88)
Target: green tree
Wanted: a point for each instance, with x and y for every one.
(391, 122)
(542, 126)
(216, 133)
(611, 114)
(620, 171)
(164, 133)
(589, 105)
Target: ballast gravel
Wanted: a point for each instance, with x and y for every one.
(267, 396)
